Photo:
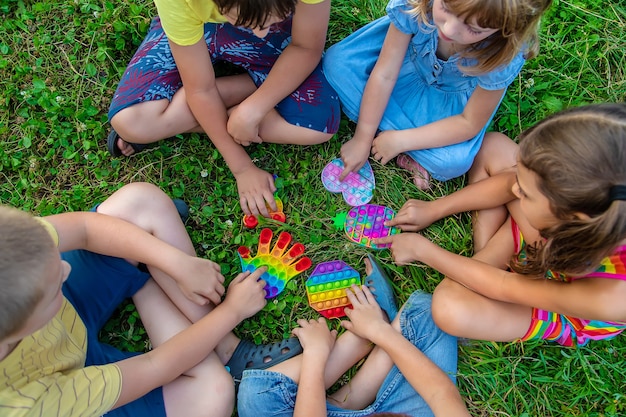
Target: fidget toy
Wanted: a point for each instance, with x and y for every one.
(281, 264)
(364, 223)
(251, 221)
(326, 288)
(357, 188)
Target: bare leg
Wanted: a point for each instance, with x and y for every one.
(275, 129)
(462, 312)
(149, 208)
(498, 153)
(205, 390)
(362, 389)
(152, 121)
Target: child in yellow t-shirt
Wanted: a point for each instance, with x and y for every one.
(170, 86)
(61, 278)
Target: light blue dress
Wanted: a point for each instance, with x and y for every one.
(428, 88)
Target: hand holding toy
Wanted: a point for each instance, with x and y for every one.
(251, 221)
(357, 188)
(366, 222)
(281, 265)
(326, 288)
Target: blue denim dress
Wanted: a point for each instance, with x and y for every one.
(428, 88)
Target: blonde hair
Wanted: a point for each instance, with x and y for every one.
(517, 22)
(24, 244)
(578, 155)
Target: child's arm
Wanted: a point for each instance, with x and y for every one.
(256, 187)
(143, 373)
(378, 89)
(435, 387)
(592, 298)
(494, 191)
(454, 129)
(293, 66)
(111, 236)
(317, 342)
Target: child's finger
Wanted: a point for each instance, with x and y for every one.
(383, 240)
(240, 277)
(346, 170)
(371, 299)
(256, 275)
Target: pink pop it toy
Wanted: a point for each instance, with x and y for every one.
(326, 288)
(357, 188)
(364, 223)
(281, 265)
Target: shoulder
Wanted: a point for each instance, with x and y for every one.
(399, 14)
(502, 76)
(183, 20)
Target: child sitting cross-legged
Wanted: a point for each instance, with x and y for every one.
(549, 234)
(63, 276)
(409, 372)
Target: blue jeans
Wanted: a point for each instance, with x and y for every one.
(267, 393)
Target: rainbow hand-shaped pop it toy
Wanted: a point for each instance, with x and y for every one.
(281, 265)
(251, 221)
(366, 222)
(326, 288)
(357, 188)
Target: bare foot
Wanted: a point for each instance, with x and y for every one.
(421, 177)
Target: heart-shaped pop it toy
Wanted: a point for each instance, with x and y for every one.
(357, 188)
(281, 265)
(326, 288)
(366, 222)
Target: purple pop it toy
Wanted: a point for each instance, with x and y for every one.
(366, 222)
(326, 288)
(357, 188)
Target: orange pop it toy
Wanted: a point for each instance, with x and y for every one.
(251, 221)
(282, 265)
(326, 288)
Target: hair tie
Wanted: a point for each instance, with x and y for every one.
(617, 192)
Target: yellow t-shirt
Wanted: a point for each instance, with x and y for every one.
(46, 375)
(183, 20)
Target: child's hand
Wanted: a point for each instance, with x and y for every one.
(246, 293)
(366, 317)
(354, 153)
(413, 216)
(243, 124)
(404, 246)
(256, 189)
(315, 337)
(200, 280)
(385, 147)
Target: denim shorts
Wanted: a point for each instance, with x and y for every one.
(152, 73)
(267, 393)
(96, 286)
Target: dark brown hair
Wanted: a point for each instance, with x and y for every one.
(577, 155)
(254, 13)
(517, 22)
(24, 243)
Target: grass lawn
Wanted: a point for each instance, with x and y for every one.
(60, 62)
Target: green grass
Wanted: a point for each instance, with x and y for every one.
(60, 63)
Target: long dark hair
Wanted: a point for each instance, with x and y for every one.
(579, 156)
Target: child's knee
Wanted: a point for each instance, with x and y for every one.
(448, 307)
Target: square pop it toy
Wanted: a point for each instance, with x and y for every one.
(366, 222)
(281, 265)
(357, 188)
(326, 288)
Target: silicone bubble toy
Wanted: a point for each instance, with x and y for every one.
(282, 265)
(364, 223)
(251, 221)
(357, 188)
(326, 288)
